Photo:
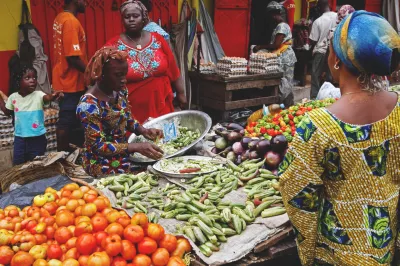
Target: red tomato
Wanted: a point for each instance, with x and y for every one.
(124, 221)
(99, 259)
(100, 236)
(65, 218)
(142, 260)
(115, 228)
(71, 243)
(54, 251)
(160, 257)
(134, 233)
(147, 246)
(72, 254)
(6, 254)
(176, 261)
(119, 261)
(83, 260)
(40, 239)
(155, 231)
(49, 232)
(99, 223)
(140, 219)
(169, 242)
(86, 244)
(128, 251)
(22, 258)
(83, 228)
(112, 245)
(62, 235)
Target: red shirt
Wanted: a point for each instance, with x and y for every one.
(291, 9)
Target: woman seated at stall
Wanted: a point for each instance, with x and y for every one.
(153, 74)
(340, 179)
(281, 43)
(105, 113)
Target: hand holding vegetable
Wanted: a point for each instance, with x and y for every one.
(152, 134)
(146, 149)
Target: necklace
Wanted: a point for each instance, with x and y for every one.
(352, 92)
(109, 97)
(138, 45)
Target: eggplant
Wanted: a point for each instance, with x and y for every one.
(253, 145)
(263, 146)
(221, 143)
(237, 148)
(225, 152)
(234, 126)
(246, 155)
(223, 133)
(234, 137)
(245, 142)
(254, 155)
(242, 132)
(214, 150)
(238, 160)
(279, 144)
(215, 137)
(272, 160)
(231, 156)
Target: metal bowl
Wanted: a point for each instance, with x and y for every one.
(191, 119)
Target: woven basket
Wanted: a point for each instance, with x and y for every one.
(29, 174)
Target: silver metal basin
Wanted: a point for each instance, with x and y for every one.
(191, 119)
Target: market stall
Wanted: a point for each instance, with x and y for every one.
(224, 201)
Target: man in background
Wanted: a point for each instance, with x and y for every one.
(70, 61)
(319, 41)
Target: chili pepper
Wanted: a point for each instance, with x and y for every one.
(189, 170)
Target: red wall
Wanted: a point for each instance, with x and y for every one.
(100, 22)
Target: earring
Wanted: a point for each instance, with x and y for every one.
(336, 66)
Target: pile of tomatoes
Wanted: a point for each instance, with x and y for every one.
(75, 226)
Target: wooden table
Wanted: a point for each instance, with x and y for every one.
(223, 94)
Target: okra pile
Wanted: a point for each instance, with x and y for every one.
(130, 190)
(209, 218)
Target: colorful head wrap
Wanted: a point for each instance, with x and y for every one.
(364, 42)
(94, 69)
(274, 6)
(137, 4)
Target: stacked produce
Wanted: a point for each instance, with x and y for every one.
(51, 117)
(232, 66)
(76, 226)
(285, 122)
(210, 217)
(231, 144)
(207, 68)
(264, 63)
(6, 131)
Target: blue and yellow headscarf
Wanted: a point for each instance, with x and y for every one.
(364, 42)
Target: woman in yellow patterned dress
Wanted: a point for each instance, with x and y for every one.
(340, 179)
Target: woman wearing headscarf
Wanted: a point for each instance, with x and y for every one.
(151, 26)
(105, 113)
(153, 75)
(339, 179)
(281, 43)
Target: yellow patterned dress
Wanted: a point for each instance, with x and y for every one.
(340, 186)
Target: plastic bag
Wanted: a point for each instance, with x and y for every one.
(22, 196)
(327, 90)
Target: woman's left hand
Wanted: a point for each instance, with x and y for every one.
(182, 100)
(152, 134)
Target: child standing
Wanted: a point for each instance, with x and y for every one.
(27, 105)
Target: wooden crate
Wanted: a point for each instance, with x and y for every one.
(223, 94)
